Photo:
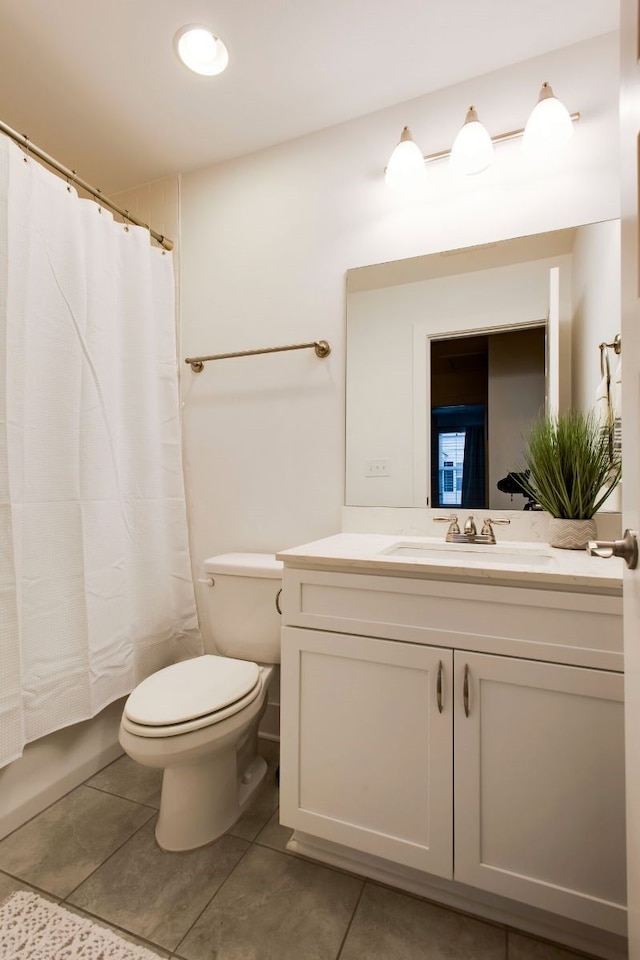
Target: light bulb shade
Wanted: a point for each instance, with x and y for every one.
(472, 149)
(200, 50)
(406, 170)
(549, 126)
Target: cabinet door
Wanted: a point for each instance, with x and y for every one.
(366, 752)
(539, 785)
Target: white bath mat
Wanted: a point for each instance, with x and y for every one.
(35, 929)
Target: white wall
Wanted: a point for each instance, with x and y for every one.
(597, 306)
(155, 203)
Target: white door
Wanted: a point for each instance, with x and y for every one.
(630, 329)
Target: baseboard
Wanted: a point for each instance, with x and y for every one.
(538, 923)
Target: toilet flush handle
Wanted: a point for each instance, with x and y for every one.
(208, 581)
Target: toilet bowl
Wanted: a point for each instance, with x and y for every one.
(198, 719)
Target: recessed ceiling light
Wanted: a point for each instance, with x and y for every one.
(200, 50)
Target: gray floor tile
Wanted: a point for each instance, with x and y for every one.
(258, 813)
(275, 907)
(60, 847)
(120, 932)
(9, 885)
(521, 947)
(389, 925)
(157, 895)
(274, 835)
(126, 778)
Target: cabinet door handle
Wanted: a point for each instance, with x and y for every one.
(439, 687)
(278, 608)
(465, 690)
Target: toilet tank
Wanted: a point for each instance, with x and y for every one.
(244, 621)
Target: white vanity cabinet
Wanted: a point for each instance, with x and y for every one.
(472, 733)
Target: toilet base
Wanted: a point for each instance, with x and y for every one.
(188, 819)
(210, 774)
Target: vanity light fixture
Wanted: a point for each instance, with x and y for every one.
(200, 50)
(472, 149)
(549, 126)
(406, 170)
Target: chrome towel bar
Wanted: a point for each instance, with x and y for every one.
(321, 347)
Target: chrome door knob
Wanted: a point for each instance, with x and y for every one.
(627, 548)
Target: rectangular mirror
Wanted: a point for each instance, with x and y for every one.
(451, 356)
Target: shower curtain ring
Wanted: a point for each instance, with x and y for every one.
(26, 148)
(73, 173)
(126, 221)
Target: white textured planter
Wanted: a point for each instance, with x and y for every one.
(571, 534)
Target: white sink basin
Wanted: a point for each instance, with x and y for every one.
(479, 553)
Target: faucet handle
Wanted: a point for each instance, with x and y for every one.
(452, 521)
(487, 529)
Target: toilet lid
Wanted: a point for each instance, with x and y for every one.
(191, 689)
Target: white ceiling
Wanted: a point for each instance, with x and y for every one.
(98, 86)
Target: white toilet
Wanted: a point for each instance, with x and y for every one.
(198, 719)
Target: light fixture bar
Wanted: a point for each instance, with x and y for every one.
(499, 138)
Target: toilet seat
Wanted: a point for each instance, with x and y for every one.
(190, 695)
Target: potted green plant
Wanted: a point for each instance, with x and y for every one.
(572, 469)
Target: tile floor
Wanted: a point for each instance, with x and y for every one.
(244, 897)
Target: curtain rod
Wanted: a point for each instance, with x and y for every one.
(74, 178)
(321, 347)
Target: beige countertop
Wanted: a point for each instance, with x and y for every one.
(513, 563)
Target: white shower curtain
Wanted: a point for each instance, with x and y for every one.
(95, 583)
